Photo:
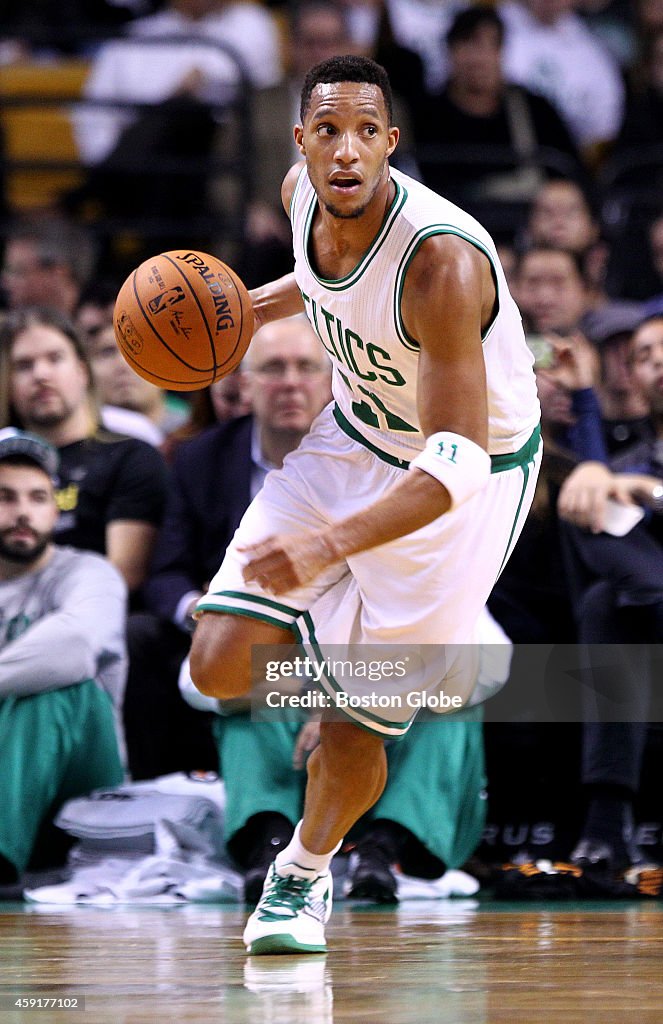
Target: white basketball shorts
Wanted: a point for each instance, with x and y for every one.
(415, 600)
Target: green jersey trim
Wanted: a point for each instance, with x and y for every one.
(524, 455)
(287, 609)
(423, 235)
(498, 463)
(243, 613)
(343, 283)
(352, 432)
(251, 606)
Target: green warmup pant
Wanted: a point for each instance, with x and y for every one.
(437, 784)
(255, 762)
(435, 788)
(53, 746)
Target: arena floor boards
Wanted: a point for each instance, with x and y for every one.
(460, 961)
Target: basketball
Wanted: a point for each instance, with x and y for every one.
(183, 320)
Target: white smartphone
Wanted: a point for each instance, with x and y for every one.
(620, 519)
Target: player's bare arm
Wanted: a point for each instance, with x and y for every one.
(275, 300)
(282, 297)
(448, 299)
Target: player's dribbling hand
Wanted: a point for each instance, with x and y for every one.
(283, 563)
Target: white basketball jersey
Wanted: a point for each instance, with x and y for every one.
(358, 320)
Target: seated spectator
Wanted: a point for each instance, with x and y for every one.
(111, 490)
(316, 30)
(561, 215)
(636, 264)
(46, 263)
(506, 124)
(624, 407)
(419, 26)
(551, 290)
(94, 314)
(376, 37)
(619, 602)
(214, 478)
(62, 656)
(131, 71)
(224, 400)
(531, 600)
(553, 297)
(96, 305)
(567, 375)
(120, 389)
(428, 819)
(182, 67)
(549, 49)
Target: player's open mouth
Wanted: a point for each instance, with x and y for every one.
(345, 183)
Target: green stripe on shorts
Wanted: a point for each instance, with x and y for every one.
(252, 606)
(381, 725)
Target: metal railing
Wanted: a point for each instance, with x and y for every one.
(227, 171)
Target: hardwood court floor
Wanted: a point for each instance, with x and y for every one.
(457, 962)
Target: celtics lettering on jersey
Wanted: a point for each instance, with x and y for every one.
(365, 360)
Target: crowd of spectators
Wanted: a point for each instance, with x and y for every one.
(542, 117)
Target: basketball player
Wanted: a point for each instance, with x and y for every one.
(390, 523)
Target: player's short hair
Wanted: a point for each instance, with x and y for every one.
(348, 68)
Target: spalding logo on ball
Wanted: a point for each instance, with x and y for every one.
(183, 320)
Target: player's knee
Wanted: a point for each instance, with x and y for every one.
(217, 662)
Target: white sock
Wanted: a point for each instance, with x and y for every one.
(296, 860)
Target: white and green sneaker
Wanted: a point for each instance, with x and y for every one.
(291, 915)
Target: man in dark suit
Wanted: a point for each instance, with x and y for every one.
(214, 477)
